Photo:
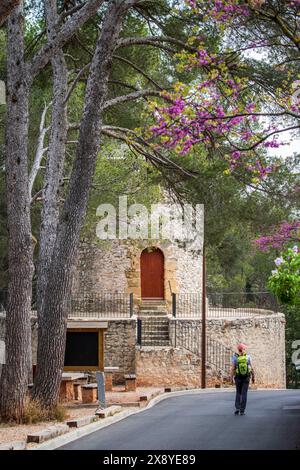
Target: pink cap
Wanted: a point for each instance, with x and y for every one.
(241, 347)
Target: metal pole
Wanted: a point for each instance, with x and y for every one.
(174, 304)
(139, 332)
(131, 304)
(203, 344)
(100, 378)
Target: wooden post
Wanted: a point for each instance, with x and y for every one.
(203, 335)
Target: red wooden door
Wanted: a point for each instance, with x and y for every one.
(152, 274)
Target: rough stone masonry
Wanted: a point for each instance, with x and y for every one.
(264, 334)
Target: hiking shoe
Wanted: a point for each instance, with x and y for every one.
(237, 412)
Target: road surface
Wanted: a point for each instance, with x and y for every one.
(205, 421)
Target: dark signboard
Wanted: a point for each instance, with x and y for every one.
(84, 350)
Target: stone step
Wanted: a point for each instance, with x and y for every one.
(154, 318)
(163, 342)
(146, 316)
(159, 329)
(156, 330)
(153, 306)
(151, 311)
(155, 341)
(156, 334)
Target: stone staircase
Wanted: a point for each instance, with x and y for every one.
(155, 323)
(155, 332)
(153, 308)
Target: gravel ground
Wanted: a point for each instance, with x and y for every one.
(19, 432)
(10, 433)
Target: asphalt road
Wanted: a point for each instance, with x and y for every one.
(205, 421)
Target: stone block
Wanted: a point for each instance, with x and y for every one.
(108, 381)
(67, 390)
(77, 391)
(110, 411)
(143, 398)
(48, 433)
(130, 382)
(79, 422)
(13, 445)
(89, 393)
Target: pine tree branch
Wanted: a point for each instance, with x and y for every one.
(138, 69)
(156, 41)
(40, 151)
(130, 97)
(63, 34)
(143, 148)
(76, 80)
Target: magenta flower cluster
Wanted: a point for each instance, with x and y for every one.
(285, 234)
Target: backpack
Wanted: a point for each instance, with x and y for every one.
(243, 368)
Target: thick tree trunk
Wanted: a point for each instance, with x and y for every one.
(55, 162)
(14, 378)
(51, 346)
(6, 8)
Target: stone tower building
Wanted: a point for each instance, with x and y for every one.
(151, 269)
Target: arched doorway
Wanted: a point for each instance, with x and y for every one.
(152, 274)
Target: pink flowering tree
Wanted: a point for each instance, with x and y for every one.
(286, 234)
(229, 107)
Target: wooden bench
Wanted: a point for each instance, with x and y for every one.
(130, 382)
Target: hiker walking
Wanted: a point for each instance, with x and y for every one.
(241, 372)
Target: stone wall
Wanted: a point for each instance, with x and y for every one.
(171, 367)
(165, 366)
(119, 347)
(115, 267)
(188, 270)
(101, 268)
(264, 336)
